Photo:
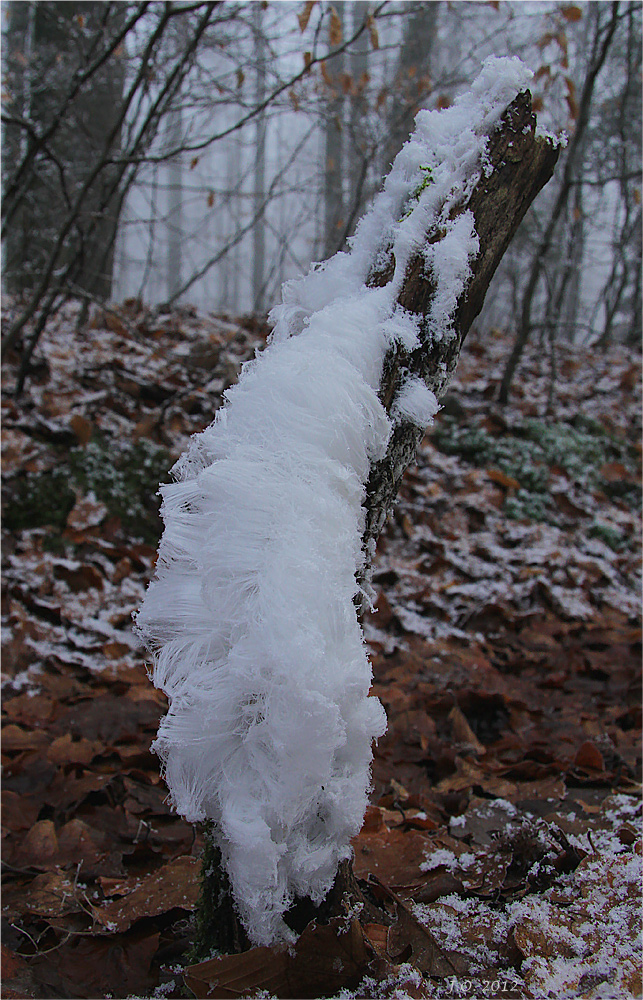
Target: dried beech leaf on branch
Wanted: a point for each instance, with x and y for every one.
(327, 78)
(571, 13)
(304, 16)
(372, 30)
(335, 33)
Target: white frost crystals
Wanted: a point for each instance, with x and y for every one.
(252, 622)
(250, 619)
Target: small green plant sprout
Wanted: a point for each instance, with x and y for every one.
(422, 186)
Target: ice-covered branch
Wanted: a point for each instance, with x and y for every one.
(252, 618)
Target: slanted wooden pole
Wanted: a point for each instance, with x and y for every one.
(519, 165)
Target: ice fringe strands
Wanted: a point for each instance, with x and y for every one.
(250, 619)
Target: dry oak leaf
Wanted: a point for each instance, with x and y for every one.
(408, 941)
(78, 576)
(29, 708)
(17, 979)
(87, 512)
(19, 812)
(502, 479)
(16, 738)
(468, 774)
(39, 847)
(549, 933)
(589, 756)
(324, 960)
(52, 894)
(81, 427)
(391, 855)
(463, 732)
(176, 885)
(304, 16)
(46, 849)
(90, 966)
(597, 928)
(66, 750)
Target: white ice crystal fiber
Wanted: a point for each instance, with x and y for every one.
(416, 403)
(448, 263)
(270, 725)
(251, 619)
(403, 328)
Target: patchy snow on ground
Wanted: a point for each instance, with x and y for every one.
(579, 937)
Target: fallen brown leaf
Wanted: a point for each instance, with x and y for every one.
(408, 941)
(14, 738)
(325, 959)
(176, 885)
(393, 856)
(66, 750)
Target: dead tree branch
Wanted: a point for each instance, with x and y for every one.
(522, 164)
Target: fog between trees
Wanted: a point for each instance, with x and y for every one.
(203, 153)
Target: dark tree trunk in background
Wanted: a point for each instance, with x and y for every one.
(334, 172)
(359, 152)
(259, 229)
(521, 164)
(86, 187)
(413, 81)
(571, 298)
(174, 205)
(625, 262)
(42, 42)
(634, 333)
(603, 35)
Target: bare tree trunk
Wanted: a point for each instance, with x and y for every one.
(62, 269)
(601, 43)
(259, 230)
(412, 82)
(521, 165)
(633, 336)
(614, 292)
(575, 261)
(27, 78)
(359, 154)
(174, 206)
(334, 172)
(36, 201)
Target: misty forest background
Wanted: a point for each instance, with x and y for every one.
(166, 166)
(203, 153)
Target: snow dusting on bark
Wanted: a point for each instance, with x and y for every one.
(251, 618)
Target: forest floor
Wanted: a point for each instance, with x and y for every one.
(503, 841)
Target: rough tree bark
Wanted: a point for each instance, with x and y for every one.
(521, 163)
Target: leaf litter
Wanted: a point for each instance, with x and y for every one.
(502, 846)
